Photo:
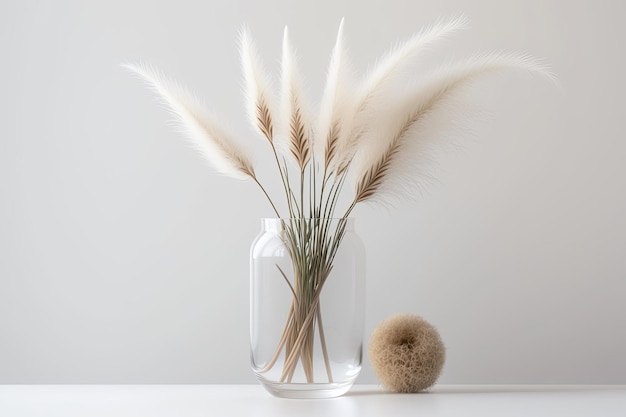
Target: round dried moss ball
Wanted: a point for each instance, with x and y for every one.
(407, 353)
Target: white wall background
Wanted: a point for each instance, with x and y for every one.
(123, 259)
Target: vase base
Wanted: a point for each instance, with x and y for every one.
(307, 391)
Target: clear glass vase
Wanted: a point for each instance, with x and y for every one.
(307, 299)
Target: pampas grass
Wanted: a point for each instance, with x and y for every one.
(366, 133)
(194, 121)
(294, 111)
(257, 88)
(371, 97)
(381, 164)
(336, 107)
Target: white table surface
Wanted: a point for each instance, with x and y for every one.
(362, 401)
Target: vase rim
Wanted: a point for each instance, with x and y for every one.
(278, 222)
(306, 218)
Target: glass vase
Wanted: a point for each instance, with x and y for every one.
(307, 299)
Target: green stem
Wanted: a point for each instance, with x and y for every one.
(266, 195)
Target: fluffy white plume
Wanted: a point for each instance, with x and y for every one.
(191, 117)
(257, 88)
(386, 70)
(294, 120)
(384, 135)
(394, 152)
(336, 107)
(387, 67)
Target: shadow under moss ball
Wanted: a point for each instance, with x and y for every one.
(406, 353)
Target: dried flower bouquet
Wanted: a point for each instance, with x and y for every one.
(368, 133)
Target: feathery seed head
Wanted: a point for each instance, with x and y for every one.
(192, 118)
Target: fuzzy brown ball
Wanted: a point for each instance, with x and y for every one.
(407, 353)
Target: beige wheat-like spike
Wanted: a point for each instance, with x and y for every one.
(372, 179)
(383, 162)
(257, 88)
(203, 132)
(293, 107)
(336, 108)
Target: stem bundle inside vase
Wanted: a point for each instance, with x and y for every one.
(374, 134)
(312, 244)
